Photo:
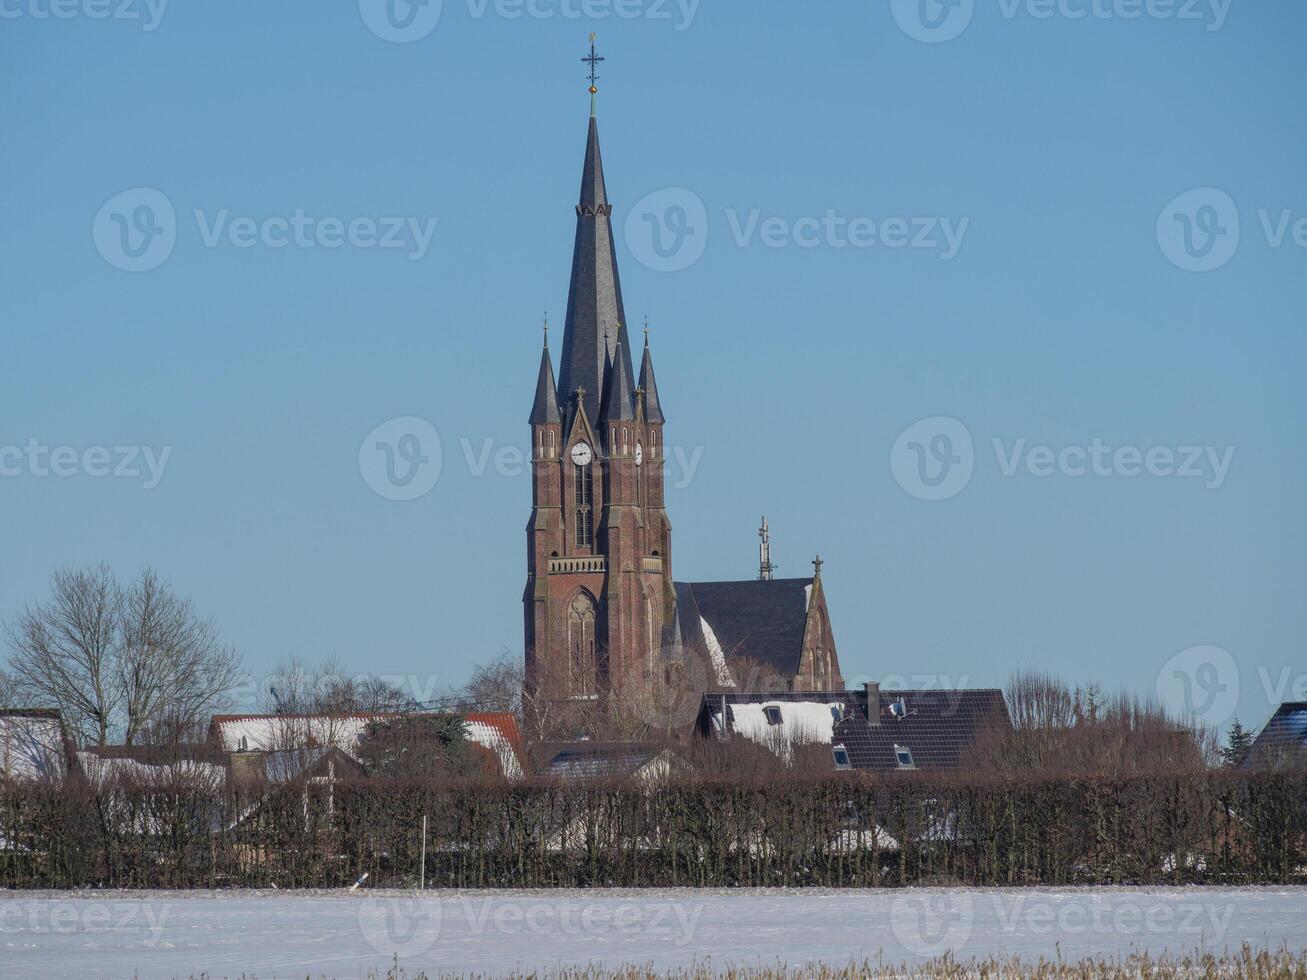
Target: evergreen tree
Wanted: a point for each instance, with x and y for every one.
(1238, 742)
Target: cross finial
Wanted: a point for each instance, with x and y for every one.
(593, 59)
(646, 329)
(546, 328)
(816, 566)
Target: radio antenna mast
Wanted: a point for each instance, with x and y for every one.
(765, 566)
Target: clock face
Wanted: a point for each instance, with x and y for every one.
(581, 454)
(639, 454)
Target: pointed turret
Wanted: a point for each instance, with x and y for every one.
(619, 396)
(545, 410)
(653, 409)
(594, 301)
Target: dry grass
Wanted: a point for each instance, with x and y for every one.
(1247, 964)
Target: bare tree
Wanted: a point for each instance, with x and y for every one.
(118, 660)
(300, 688)
(1057, 729)
(63, 651)
(496, 686)
(170, 662)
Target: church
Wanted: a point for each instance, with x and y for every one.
(604, 617)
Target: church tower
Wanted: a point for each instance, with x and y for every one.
(599, 572)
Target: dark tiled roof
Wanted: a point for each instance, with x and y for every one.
(761, 620)
(619, 395)
(594, 302)
(938, 727)
(1284, 739)
(653, 408)
(545, 408)
(599, 760)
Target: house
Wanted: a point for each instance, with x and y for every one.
(1283, 742)
(495, 732)
(33, 745)
(904, 730)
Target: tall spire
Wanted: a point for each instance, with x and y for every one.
(594, 301)
(653, 410)
(545, 409)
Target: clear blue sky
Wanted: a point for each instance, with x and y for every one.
(1062, 318)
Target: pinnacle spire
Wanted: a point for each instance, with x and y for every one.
(619, 395)
(545, 409)
(653, 409)
(594, 303)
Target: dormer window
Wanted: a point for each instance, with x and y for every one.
(841, 756)
(773, 714)
(903, 756)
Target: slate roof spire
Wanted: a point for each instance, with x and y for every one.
(545, 409)
(594, 301)
(653, 410)
(619, 398)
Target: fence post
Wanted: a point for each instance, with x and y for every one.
(422, 870)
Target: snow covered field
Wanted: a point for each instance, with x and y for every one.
(179, 934)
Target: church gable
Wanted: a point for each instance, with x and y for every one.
(765, 621)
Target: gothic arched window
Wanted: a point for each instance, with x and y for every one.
(581, 667)
(820, 658)
(651, 621)
(584, 482)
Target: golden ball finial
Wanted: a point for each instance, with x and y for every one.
(593, 90)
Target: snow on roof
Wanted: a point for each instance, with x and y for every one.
(715, 653)
(31, 745)
(271, 733)
(801, 723)
(489, 734)
(101, 769)
(496, 731)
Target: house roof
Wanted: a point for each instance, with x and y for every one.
(1284, 739)
(936, 726)
(99, 768)
(761, 620)
(496, 731)
(602, 760)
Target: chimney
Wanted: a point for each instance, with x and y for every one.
(873, 703)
